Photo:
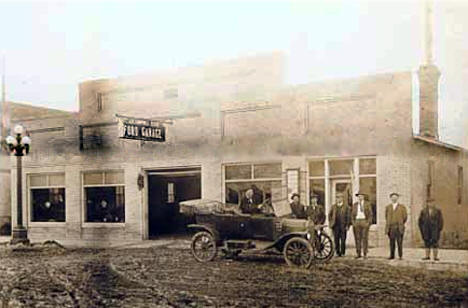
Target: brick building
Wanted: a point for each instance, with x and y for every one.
(25, 114)
(231, 126)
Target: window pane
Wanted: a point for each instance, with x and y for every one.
(114, 177)
(236, 191)
(91, 178)
(48, 205)
(317, 168)
(38, 180)
(341, 167)
(267, 171)
(367, 166)
(105, 204)
(369, 187)
(238, 172)
(57, 179)
(317, 187)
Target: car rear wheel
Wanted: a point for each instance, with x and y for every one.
(298, 252)
(203, 247)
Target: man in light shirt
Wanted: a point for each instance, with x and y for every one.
(395, 219)
(361, 219)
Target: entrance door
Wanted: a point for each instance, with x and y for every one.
(343, 186)
(166, 188)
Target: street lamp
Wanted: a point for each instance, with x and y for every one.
(19, 146)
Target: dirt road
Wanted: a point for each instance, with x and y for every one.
(170, 277)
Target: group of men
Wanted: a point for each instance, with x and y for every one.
(360, 216)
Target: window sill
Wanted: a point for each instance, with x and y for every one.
(33, 224)
(103, 225)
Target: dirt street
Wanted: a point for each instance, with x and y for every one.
(170, 277)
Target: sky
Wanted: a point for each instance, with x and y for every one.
(51, 46)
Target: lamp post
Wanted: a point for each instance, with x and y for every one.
(19, 146)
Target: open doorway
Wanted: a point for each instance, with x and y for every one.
(166, 188)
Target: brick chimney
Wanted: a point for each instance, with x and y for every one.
(429, 100)
(429, 76)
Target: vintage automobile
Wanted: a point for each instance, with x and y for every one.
(221, 227)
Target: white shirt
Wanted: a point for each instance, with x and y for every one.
(394, 205)
(339, 204)
(360, 211)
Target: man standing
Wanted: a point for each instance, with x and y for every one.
(315, 212)
(297, 209)
(361, 218)
(339, 219)
(431, 223)
(395, 218)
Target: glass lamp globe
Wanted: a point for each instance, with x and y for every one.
(18, 129)
(11, 140)
(26, 140)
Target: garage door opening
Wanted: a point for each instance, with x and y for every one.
(166, 188)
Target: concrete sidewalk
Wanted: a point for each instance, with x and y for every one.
(449, 259)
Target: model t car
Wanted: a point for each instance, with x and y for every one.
(221, 227)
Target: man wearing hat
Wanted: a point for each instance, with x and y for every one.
(431, 223)
(339, 219)
(315, 212)
(297, 209)
(395, 219)
(361, 218)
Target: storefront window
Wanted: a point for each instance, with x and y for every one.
(368, 185)
(317, 187)
(263, 179)
(105, 199)
(47, 195)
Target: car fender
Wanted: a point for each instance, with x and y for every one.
(210, 229)
(281, 241)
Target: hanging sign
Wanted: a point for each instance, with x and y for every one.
(141, 129)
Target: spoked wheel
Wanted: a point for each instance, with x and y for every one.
(298, 252)
(324, 248)
(203, 247)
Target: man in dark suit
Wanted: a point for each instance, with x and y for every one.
(361, 219)
(339, 219)
(247, 205)
(431, 223)
(297, 208)
(315, 212)
(395, 219)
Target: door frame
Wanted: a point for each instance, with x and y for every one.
(147, 172)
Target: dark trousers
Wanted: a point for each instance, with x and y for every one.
(339, 234)
(395, 235)
(361, 236)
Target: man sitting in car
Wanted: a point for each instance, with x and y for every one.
(247, 205)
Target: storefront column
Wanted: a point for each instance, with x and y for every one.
(73, 202)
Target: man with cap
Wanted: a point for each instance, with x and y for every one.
(361, 219)
(297, 209)
(395, 219)
(431, 223)
(339, 219)
(315, 212)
